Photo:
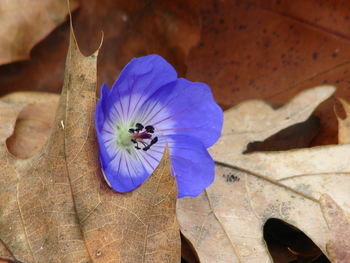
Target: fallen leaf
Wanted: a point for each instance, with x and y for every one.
(25, 23)
(272, 50)
(338, 247)
(36, 119)
(289, 138)
(241, 126)
(137, 28)
(55, 206)
(225, 223)
(344, 124)
(131, 28)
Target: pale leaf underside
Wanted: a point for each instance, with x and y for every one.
(284, 185)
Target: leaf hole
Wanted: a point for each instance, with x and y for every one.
(188, 252)
(296, 136)
(288, 244)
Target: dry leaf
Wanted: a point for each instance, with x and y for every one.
(338, 247)
(344, 124)
(271, 50)
(241, 126)
(225, 223)
(132, 28)
(55, 206)
(136, 28)
(35, 119)
(25, 23)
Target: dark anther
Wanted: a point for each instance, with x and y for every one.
(137, 144)
(139, 127)
(149, 129)
(154, 140)
(146, 148)
(131, 130)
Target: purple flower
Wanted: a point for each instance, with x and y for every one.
(147, 108)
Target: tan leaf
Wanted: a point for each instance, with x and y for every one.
(56, 207)
(25, 23)
(344, 124)
(338, 222)
(35, 119)
(225, 223)
(255, 120)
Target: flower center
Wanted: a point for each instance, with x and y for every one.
(123, 137)
(140, 134)
(141, 137)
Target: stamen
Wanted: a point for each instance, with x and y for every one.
(146, 148)
(154, 140)
(139, 127)
(139, 136)
(149, 129)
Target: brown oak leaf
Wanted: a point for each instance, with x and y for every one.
(55, 205)
(25, 23)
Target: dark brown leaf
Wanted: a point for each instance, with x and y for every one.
(271, 50)
(131, 28)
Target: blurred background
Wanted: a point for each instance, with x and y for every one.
(256, 49)
(259, 49)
